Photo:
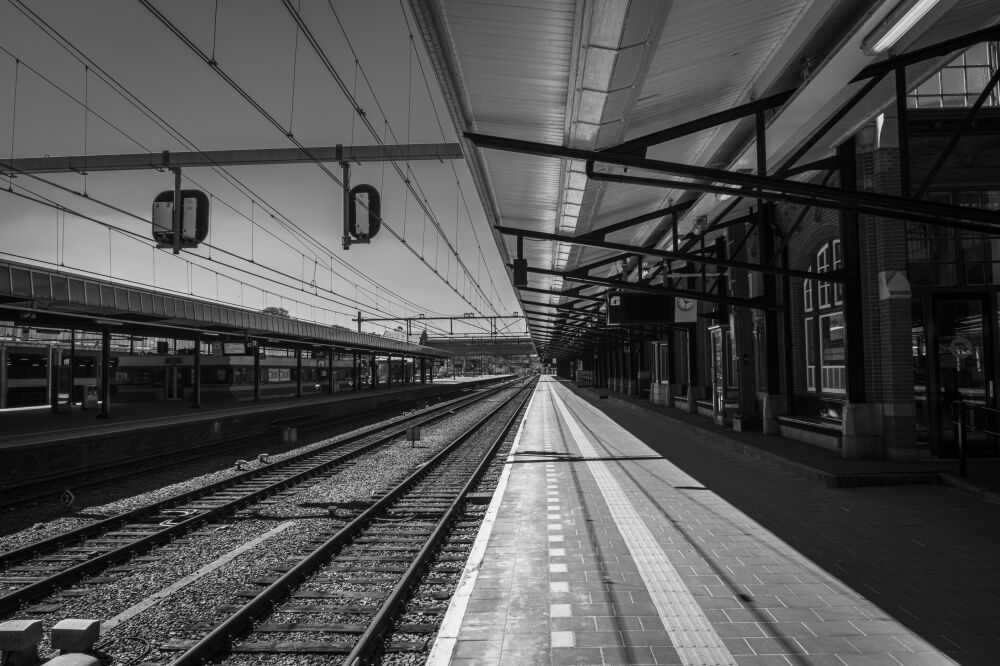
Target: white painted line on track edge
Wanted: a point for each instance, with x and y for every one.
(447, 636)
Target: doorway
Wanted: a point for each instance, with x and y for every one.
(174, 385)
(962, 336)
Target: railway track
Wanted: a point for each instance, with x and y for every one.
(341, 597)
(38, 569)
(317, 427)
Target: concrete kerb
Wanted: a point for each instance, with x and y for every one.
(965, 486)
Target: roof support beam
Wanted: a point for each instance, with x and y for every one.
(668, 254)
(758, 187)
(639, 144)
(214, 158)
(639, 219)
(933, 51)
(566, 294)
(645, 289)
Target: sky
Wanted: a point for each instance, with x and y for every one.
(275, 230)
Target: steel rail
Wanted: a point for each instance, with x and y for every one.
(399, 595)
(200, 449)
(237, 624)
(12, 600)
(43, 546)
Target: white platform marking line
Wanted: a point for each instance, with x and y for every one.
(168, 591)
(447, 636)
(690, 631)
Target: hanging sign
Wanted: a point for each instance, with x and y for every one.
(367, 198)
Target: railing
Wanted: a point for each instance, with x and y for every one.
(963, 414)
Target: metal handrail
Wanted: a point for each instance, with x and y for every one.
(960, 413)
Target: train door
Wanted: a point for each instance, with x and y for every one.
(174, 388)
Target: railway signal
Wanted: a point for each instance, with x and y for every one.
(193, 218)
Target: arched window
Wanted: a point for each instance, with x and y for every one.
(823, 303)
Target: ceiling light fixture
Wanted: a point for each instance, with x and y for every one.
(899, 21)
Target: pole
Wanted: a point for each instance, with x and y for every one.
(346, 166)
(298, 373)
(356, 376)
(256, 371)
(961, 437)
(177, 211)
(105, 373)
(72, 363)
(197, 375)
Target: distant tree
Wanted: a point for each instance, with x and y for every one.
(423, 337)
(276, 312)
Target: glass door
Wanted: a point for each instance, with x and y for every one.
(962, 364)
(173, 387)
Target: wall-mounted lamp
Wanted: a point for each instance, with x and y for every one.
(899, 21)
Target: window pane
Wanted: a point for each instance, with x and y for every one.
(832, 337)
(953, 80)
(931, 86)
(810, 359)
(970, 199)
(977, 79)
(978, 54)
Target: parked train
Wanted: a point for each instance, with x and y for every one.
(27, 376)
(158, 378)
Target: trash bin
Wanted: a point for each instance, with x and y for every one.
(90, 397)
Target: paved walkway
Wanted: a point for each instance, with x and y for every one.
(623, 538)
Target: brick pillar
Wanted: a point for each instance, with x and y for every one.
(883, 424)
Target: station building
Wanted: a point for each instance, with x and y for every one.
(782, 216)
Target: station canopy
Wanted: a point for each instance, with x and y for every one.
(39, 298)
(535, 89)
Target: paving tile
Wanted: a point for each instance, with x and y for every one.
(576, 656)
(868, 660)
(627, 654)
(738, 629)
(666, 656)
(575, 623)
(876, 644)
(485, 649)
(769, 645)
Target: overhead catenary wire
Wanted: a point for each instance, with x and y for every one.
(181, 35)
(293, 284)
(169, 129)
(158, 120)
(328, 65)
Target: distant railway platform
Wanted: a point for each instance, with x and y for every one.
(622, 533)
(37, 444)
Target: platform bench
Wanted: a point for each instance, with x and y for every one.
(811, 430)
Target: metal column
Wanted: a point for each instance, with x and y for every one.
(298, 373)
(72, 365)
(105, 373)
(256, 371)
(850, 239)
(330, 386)
(196, 404)
(54, 355)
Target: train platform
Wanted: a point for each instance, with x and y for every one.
(38, 448)
(623, 535)
(37, 424)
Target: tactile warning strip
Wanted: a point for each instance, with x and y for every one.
(692, 635)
